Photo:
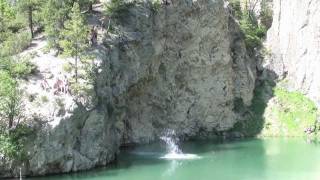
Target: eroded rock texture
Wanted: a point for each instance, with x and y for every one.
(183, 74)
(294, 43)
(180, 68)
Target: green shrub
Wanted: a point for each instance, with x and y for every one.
(10, 100)
(252, 30)
(44, 99)
(4, 35)
(80, 89)
(12, 143)
(17, 68)
(236, 7)
(67, 68)
(118, 8)
(17, 24)
(15, 44)
(155, 5)
(266, 14)
(294, 111)
(7, 147)
(23, 69)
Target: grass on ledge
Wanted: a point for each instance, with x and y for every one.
(293, 111)
(277, 112)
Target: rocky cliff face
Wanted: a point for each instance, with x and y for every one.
(184, 73)
(294, 44)
(180, 68)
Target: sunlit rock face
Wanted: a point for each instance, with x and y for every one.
(181, 67)
(294, 41)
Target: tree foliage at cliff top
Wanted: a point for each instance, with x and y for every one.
(75, 37)
(253, 31)
(19, 22)
(12, 129)
(118, 8)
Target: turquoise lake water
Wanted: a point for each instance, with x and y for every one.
(256, 159)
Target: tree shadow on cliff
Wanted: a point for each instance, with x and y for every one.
(253, 120)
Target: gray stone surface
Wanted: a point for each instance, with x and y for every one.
(180, 68)
(294, 43)
(184, 74)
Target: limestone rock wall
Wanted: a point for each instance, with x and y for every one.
(180, 68)
(184, 74)
(294, 44)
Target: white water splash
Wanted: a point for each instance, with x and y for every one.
(171, 141)
(174, 152)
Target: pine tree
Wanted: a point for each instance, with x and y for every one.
(10, 99)
(28, 7)
(5, 10)
(6, 15)
(75, 36)
(87, 5)
(54, 13)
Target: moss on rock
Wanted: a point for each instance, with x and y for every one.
(289, 113)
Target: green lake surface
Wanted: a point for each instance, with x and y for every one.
(255, 159)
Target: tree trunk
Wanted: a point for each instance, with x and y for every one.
(90, 7)
(30, 21)
(10, 122)
(76, 68)
(11, 113)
